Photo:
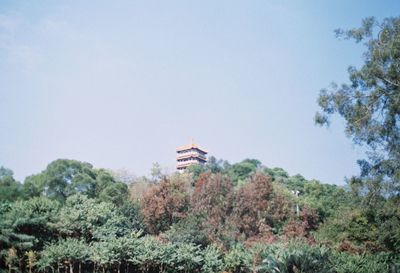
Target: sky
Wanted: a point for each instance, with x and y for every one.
(121, 84)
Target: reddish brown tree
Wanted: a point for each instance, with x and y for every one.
(165, 203)
(295, 228)
(264, 235)
(302, 226)
(213, 199)
(252, 207)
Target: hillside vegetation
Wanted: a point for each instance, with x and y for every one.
(219, 217)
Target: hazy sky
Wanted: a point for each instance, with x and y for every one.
(121, 84)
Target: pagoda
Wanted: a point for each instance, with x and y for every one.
(190, 154)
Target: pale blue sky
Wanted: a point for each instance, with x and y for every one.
(120, 84)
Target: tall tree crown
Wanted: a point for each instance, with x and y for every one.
(370, 103)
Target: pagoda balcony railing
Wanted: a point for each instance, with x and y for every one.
(186, 155)
(188, 162)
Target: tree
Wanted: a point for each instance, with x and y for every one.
(131, 211)
(212, 201)
(123, 175)
(239, 172)
(187, 257)
(26, 224)
(138, 187)
(115, 193)
(195, 170)
(295, 257)
(237, 259)
(364, 228)
(214, 165)
(189, 230)
(212, 260)
(252, 204)
(34, 185)
(165, 203)
(10, 189)
(66, 253)
(62, 178)
(156, 172)
(325, 198)
(85, 218)
(370, 104)
(107, 189)
(276, 173)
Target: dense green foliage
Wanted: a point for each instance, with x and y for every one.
(63, 178)
(9, 188)
(219, 217)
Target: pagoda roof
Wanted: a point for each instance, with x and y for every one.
(191, 146)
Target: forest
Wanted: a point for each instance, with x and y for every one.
(240, 217)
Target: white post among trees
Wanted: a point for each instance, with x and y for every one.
(296, 193)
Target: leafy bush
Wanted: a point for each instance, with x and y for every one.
(294, 258)
(364, 263)
(238, 259)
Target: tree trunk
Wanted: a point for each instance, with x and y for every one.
(71, 267)
(80, 267)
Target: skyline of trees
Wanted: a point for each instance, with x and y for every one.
(237, 217)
